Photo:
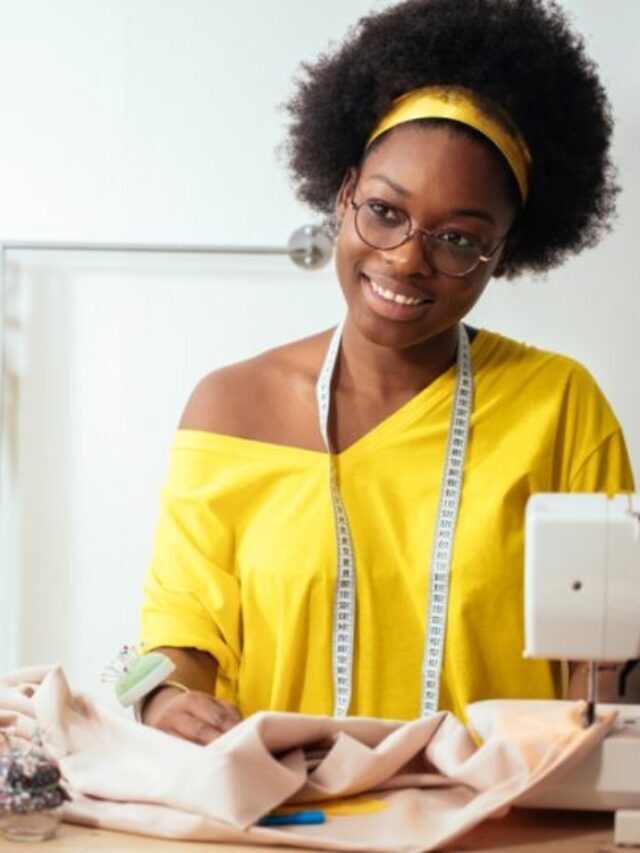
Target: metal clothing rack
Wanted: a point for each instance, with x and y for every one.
(310, 247)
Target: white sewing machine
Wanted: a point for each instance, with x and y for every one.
(582, 603)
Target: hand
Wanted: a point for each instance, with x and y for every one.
(192, 715)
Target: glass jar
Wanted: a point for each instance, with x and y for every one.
(31, 791)
(30, 826)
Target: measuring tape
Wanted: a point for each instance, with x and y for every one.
(344, 604)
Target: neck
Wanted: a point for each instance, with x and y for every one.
(384, 372)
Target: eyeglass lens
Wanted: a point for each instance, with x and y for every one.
(450, 252)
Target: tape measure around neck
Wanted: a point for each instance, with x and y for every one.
(344, 605)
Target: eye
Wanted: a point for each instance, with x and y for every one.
(384, 214)
(460, 240)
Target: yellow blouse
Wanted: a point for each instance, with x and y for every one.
(244, 562)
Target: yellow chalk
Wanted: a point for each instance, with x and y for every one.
(339, 806)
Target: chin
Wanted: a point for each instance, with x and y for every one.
(390, 333)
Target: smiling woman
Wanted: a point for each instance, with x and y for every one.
(342, 527)
(447, 199)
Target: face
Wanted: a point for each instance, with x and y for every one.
(444, 182)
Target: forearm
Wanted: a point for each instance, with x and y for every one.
(194, 669)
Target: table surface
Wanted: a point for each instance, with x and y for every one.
(586, 832)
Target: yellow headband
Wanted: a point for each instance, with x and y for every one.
(458, 104)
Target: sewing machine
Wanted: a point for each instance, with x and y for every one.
(582, 603)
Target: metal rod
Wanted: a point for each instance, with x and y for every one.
(149, 248)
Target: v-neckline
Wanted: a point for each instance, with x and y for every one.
(417, 406)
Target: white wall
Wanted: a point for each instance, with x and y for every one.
(590, 308)
(157, 120)
(152, 119)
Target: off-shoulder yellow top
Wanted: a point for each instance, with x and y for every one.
(244, 561)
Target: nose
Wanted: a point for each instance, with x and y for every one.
(410, 258)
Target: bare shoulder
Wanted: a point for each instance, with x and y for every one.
(263, 398)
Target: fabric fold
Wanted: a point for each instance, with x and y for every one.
(430, 781)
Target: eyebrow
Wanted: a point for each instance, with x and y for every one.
(396, 187)
(476, 213)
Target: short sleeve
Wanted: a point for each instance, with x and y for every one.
(191, 593)
(591, 443)
(606, 469)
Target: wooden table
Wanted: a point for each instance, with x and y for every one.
(580, 832)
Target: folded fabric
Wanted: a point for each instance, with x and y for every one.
(433, 779)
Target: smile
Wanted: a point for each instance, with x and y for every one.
(394, 296)
(385, 298)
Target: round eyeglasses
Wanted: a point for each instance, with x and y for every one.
(450, 251)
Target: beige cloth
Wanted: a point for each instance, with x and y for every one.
(435, 782)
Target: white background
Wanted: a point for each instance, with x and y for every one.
(159, 121)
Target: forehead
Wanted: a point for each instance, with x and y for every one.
(441, 166)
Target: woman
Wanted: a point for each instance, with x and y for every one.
(454, 142)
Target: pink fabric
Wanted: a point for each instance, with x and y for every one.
(436, 783)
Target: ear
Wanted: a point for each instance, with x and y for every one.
(345, 193)
(500, 269)
(505, 252)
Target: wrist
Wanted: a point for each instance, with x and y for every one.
(156, 699)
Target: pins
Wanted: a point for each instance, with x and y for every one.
(121, 664)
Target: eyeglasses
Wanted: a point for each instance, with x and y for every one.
(450, 251)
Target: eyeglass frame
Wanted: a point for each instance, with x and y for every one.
(428, 233)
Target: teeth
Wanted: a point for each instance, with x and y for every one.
(394, 297)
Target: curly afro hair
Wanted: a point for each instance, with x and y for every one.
(520, 55)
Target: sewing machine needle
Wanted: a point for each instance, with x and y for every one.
(592, 696)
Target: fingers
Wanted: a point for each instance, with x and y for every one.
(224, 714)
(185, 725)
(196, 717)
